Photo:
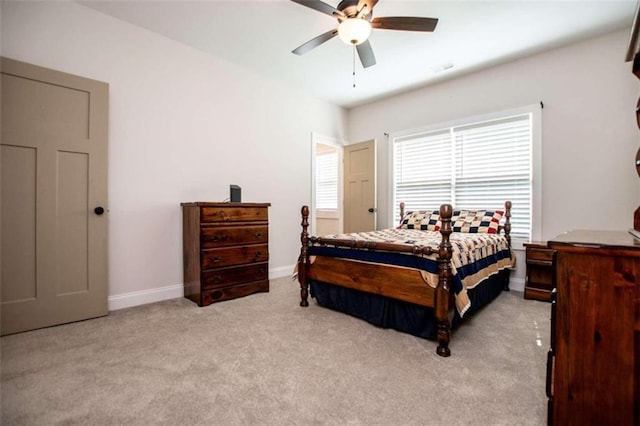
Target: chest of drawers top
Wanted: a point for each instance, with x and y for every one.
(231, 212)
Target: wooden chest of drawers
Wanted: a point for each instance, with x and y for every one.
(539, 280)
(593, 367)
(226, 250)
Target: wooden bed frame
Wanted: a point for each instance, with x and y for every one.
(397, 283)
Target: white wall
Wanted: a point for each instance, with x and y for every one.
(589, 136)
(183, 126)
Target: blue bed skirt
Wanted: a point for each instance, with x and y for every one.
(403, 316)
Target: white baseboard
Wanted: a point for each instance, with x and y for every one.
(516, 284)
(136, 298)
(281, 271)
(142, 297)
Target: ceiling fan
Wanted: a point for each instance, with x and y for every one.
(355, 21)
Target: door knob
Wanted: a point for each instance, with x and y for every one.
(372, 210)
(98, 211)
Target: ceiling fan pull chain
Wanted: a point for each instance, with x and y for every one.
(354, 66)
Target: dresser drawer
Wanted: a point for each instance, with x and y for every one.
(216, 236)
(539, 256)
(232, 292)
(231, 256)
(234, 275)
(233, 214)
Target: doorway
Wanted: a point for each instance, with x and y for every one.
(326, 186)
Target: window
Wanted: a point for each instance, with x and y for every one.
(327, 181)
(475, 163)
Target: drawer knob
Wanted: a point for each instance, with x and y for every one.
(216, 278)
(216, 259)
(259, 271)
(258, 234)
(597, 337)
(219, 237)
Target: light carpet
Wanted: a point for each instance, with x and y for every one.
(263, 360)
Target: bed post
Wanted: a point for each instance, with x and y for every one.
(507, 233)
(444, 282)
(507, 223)
(303, 260)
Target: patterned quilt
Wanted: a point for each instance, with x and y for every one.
(476, 256)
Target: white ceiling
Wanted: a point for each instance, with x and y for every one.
(261, 34)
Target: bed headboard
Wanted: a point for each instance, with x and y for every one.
(493, 221)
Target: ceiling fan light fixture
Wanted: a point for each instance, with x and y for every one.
(354, 31)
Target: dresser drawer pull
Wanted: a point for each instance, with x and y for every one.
(257, 255)
(216, 259)
(550, 373)
(223, 216)
(258, 234)
(221, 237)
(259, 271)
(216, 278)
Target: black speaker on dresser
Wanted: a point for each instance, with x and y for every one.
(235, 194)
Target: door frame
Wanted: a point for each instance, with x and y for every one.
(318, 138)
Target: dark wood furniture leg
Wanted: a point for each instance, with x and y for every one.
(507, 231)
(303, 261)
(444, 283)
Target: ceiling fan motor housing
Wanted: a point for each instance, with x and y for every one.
(350, 10)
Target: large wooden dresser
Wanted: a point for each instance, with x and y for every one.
(226, 250)
(593, 371)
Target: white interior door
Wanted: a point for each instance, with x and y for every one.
(360, 203)
(53, 176)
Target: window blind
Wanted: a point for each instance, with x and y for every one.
(475, 166)
(418, 186)
(327, 181)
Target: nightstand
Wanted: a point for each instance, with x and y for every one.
(540, 278)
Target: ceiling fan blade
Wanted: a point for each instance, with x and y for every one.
(405, 23)
(315, 42)
(365, 52)
(320, 7)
